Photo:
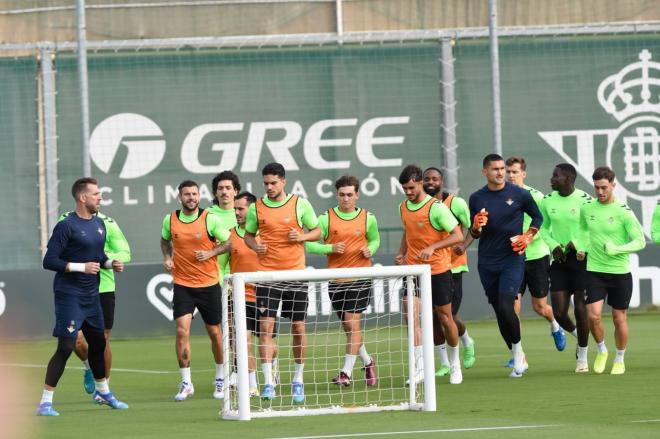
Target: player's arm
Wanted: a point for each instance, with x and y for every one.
(634, 231)
(400, 257)
(215, 229)
(319, 248)
(655, 225)
(53, 257)
(308, 219)
(546, 234)
(441, 218)
(251, 228)
(461, 211)
(480, 218)
(583, 237)
(166, 244)
(520, 242)
(116, 245)
(373, 237)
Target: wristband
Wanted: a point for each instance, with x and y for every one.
(78, 267)
(108, 263)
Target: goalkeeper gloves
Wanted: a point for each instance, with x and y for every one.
(480, 220)
(520, 242)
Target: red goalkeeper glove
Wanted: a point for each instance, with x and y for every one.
(520, 242)
(480, 220)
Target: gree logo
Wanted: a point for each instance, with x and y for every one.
(141, 136)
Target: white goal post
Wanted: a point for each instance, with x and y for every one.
(237, 403)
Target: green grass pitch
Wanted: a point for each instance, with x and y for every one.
(549, 401)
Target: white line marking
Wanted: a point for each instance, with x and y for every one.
(645, 421)
(152, 372)
(448, 430)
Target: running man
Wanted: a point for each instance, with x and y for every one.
(498, 212)
(76, 255)
(537, 258)
(279, 219)
(116, 247)
(225, 187)
(189, 238)
(568, 273)
(351, 240)
(613, 233)
(433, 185)
(429, 231)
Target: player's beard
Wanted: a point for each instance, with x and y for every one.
(432, 190)
(192, 208)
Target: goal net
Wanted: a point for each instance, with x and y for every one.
(360, 356)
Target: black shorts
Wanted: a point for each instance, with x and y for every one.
(456, 292)
(350, 297)
(108, 307)
(536, 277)
(74, 312)
(441, 288)
(569, 276)
(252, 319)
(294, 300)
(616, 287)
(208, 300)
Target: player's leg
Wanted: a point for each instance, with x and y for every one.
(595, 298)
(251, 331)
(208, 301)
(538, 281)
(582, 327)
(618, 298)
(81, 352)
(510, 279)
(441, 289)
(183, 308)
(561, 288)
(417, 333)
(93, 328)
(469, 357)
(294, 307)
(440, 343)
(268, 301)
(108, 307)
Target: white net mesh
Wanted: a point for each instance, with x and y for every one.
(357, 353)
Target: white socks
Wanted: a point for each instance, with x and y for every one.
(442, 353)
(47, 396)
(452, 352)
(349, 362)
(219, 371)
(601, 347)
(619, 355)
(364, 355)
(102, 386)
(185, 374)
(582, 353)
(267, 368)
(465, 339)
(518, 355)
(554, 326)
(253, 379)
(298, 375)
(86, 364)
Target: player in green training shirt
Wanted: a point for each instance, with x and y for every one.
(116, 247)
(351, 239)
(613, 232)
(561, 225)
(226, 186)
(655, 224)
(537, 258)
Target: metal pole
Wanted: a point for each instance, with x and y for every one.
(495, 73)
(50, 139)
(83, 87)
(339, 15)
(448, 104)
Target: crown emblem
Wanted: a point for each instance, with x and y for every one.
(634, 89)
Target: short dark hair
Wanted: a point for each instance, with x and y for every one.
(411, 172)
(516, 159)
(348, 180)
(568, 169)
(433, 168)
(247, 195)
(274, 169)
(187, 183)
(491, 158)
(80, 185)
(603, 172)
(225, 175)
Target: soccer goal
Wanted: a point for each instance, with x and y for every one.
(388, 372)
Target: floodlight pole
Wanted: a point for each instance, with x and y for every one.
(83, 87)
(495, 76)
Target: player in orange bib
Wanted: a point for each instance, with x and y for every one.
(433, 185)
(351, 239)
(280, 219)
(429, 232)
(189, 243)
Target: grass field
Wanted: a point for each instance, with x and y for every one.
(549, 401)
